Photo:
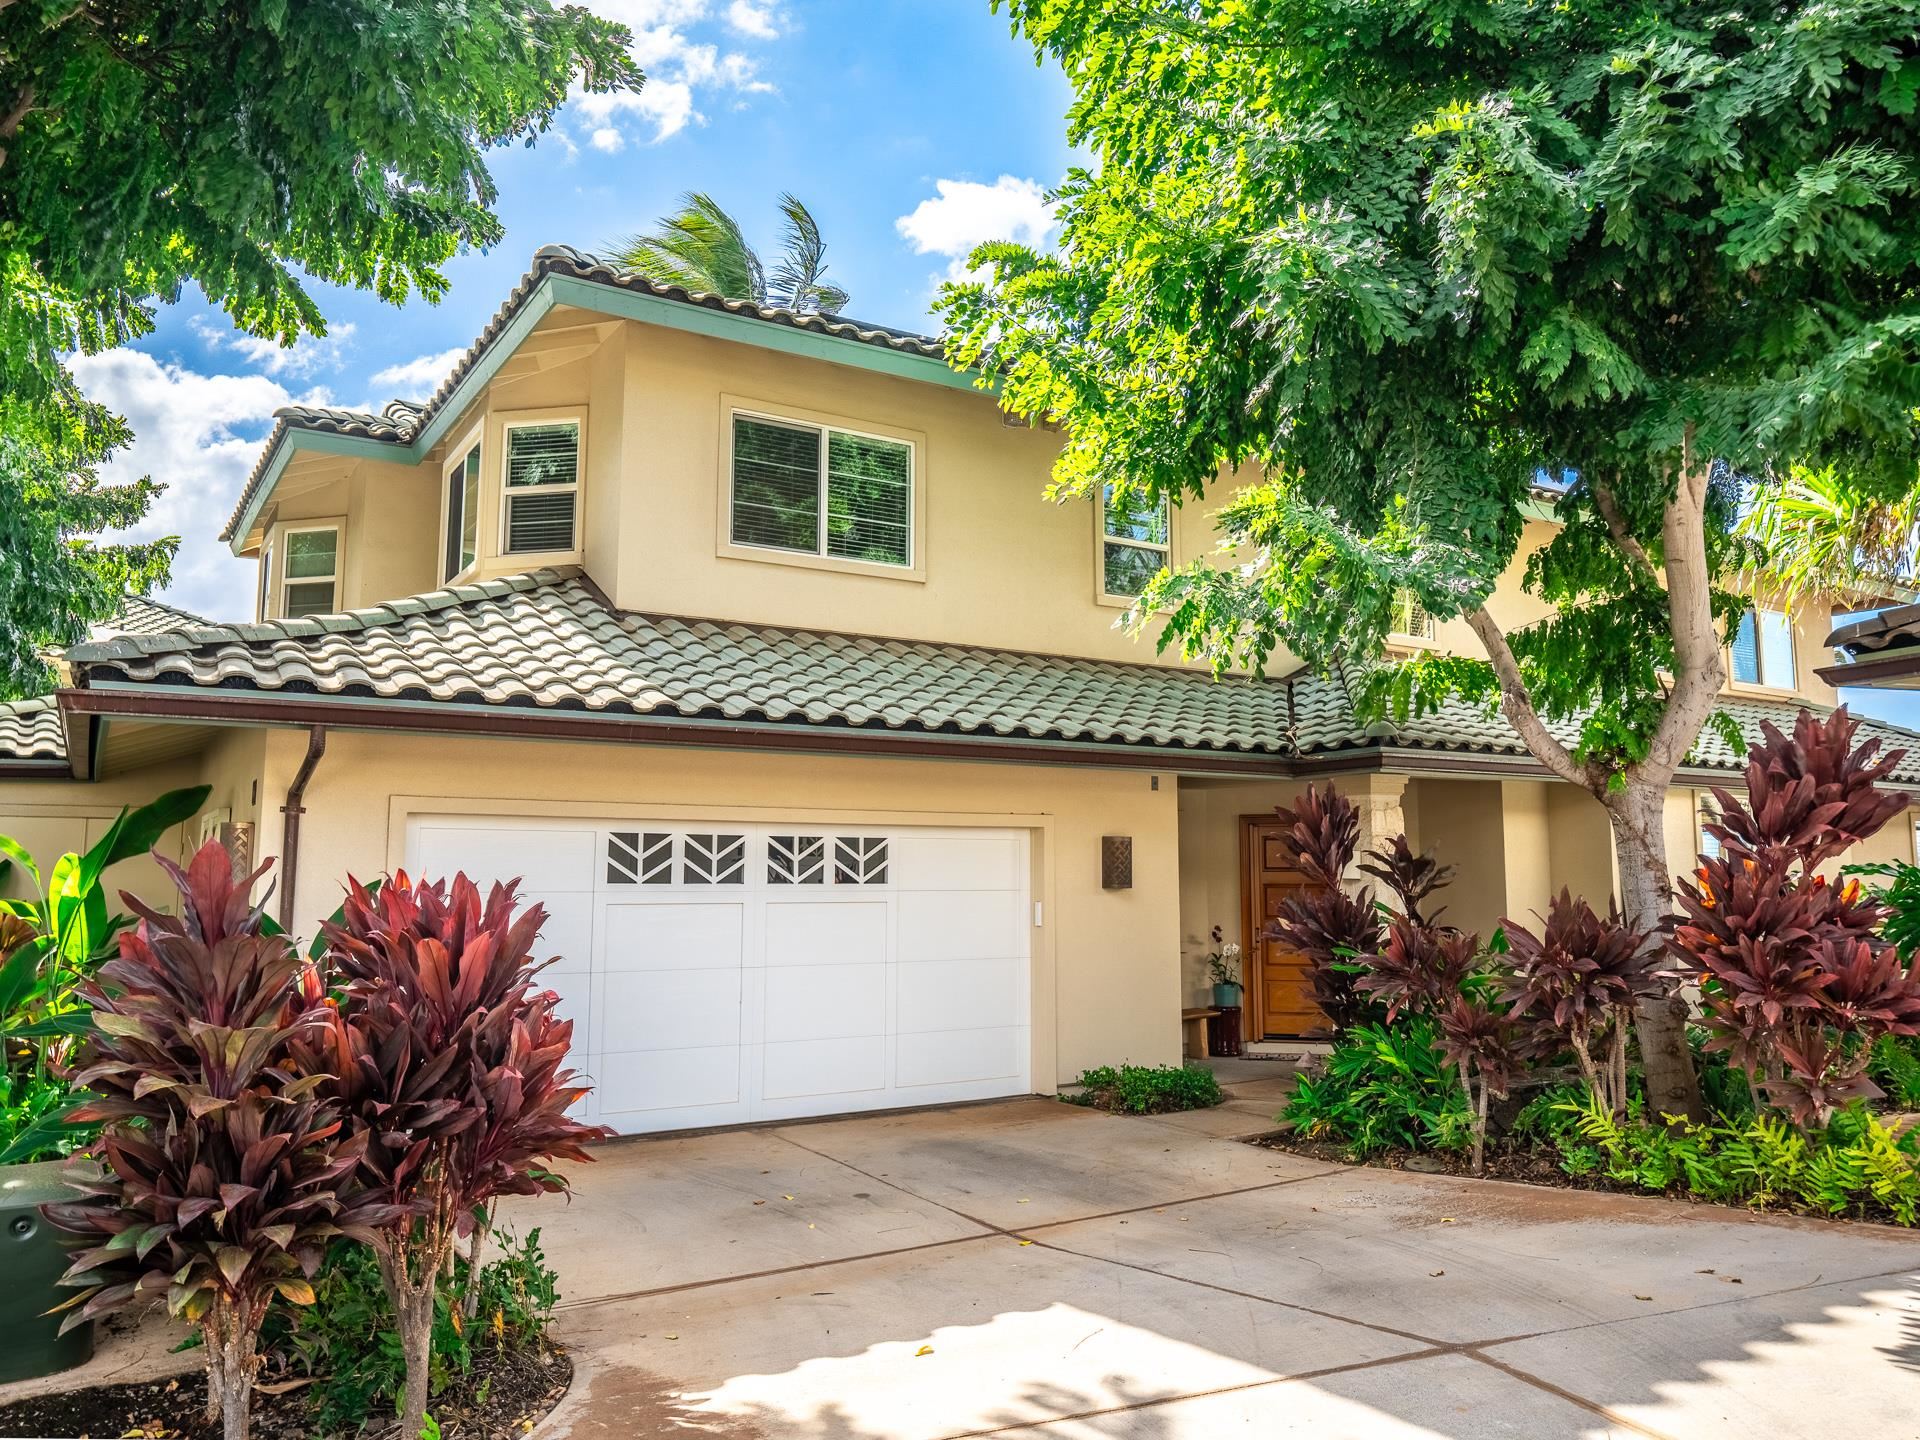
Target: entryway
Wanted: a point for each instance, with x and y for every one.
(720, 973)
(1279, 1000)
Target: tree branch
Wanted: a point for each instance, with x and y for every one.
(1516, 703)
(1698, 664)
(1636, 553)
(10, 122)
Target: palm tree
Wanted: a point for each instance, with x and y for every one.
(1817, 537)
(702, 249)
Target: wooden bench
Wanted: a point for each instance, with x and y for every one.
(1193, 1025)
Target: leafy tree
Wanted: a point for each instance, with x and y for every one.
(1386, 262)
(242, 147)
(54, 580)
(703, 248)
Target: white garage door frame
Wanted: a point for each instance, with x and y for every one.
(722, 972)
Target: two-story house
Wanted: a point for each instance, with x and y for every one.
(748, 641)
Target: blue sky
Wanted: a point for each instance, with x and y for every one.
(913, 129)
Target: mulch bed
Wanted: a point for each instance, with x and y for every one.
(504, 1394)
(1529, 1166)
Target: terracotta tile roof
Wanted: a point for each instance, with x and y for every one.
(401, 420)
(549, 641)
(31, 730)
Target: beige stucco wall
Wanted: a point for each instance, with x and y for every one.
(1106, 963)
(51, 817)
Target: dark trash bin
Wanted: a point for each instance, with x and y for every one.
(35, 1255)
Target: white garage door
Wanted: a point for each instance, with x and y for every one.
(719, 973)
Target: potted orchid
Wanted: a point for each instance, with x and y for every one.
(1223, 969)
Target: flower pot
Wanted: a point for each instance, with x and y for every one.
(1227, 994)
(32, 1256)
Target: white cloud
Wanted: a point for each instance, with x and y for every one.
(757, 21)
(308, 355)
(415, 379)
(966, 213)
(678, 65)
(184, 426)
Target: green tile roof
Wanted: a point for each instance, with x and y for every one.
(550, 642)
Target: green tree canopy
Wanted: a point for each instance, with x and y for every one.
(247, 148)
(702, 248)
(1388, 260)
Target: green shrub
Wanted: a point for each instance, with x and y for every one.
(347, 1342)
(1385, 1087)
(1855, 1167)
(1148, 1089)
(1895, 1067)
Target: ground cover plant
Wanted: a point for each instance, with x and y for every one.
(1147, 1089)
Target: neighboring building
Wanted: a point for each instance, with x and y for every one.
(1880, 651)
(748, 640)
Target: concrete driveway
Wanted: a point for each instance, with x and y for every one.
(1032, 1269)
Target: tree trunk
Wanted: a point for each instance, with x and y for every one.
(231, 1345)
(476, 1247)
(410, 1264)
(416, 1343)
(1646, 897)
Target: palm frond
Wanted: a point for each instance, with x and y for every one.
(803, 260)
(700, 248)
(1821, 538)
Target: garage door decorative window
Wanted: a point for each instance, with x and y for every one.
(635, 858)
(860, 860)
(713, 860)
(796, 859)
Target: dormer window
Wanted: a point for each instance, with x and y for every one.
(1410, 618)
(310, 584)
(462, 535)
(542, 487)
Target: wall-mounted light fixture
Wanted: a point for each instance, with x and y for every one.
(1116, 862)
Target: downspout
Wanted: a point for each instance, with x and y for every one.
(293, 810)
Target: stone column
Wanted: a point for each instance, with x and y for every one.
(1379, 799)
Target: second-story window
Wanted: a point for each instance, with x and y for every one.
(1136, 541)
(817, 490)
(1410, 618)
(1763, 650)
(311, 582)
(463, 513)
(542, 487)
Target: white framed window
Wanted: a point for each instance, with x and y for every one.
(1763, 650)
(310, 571)
(1704, 815)
(461, 532)
(809, 489)
(1410, 618)
(1136, 541)
(540, 487)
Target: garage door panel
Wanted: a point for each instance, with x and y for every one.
(819, 1002)
(957, 862)
(796, 1068)
(972, 925)
(960, 995)
(670, 1009)
(567, 937)
(955, 1057)
(542, 859)
(646, 1080)
(677, 937)
(815, 932)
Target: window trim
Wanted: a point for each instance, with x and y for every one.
(456, 459)
(263, 602)
(309, 527)
(778, 413)
(1101, 539)
(1764, 685)
(533, 419)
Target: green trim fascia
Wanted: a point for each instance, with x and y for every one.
(555, 290)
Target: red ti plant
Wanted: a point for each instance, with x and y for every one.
(1795, 981)
(223, 1171)
(1422, 969)
(1334, 930)
(453, 1061)
(1578, 981)
(1488, 1043)
(1412, 878)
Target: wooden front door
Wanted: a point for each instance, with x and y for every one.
(1279, 1001)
